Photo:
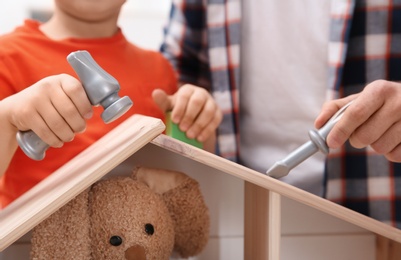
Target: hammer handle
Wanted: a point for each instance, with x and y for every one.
(90, 74)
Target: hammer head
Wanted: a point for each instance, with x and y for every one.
(116, 109)
(100, 87)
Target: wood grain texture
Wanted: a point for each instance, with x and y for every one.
(78, 174)
(262, 234)
(279, 187)
(126, 140)
(387, 249)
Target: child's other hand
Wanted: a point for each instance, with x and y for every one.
(193, 109)
(55, 108)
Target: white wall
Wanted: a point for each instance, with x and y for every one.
(141, 20)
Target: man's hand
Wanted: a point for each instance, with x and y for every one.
(373, 119)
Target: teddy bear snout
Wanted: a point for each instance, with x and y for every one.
(135, 253)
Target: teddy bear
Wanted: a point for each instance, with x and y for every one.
(145, 216)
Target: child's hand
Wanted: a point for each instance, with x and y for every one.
(193, 109)
(55, 108)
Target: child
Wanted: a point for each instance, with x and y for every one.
(56, 107)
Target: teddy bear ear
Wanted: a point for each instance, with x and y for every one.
(185, 204)
(191, 218)
(159, 180)
(65, 233)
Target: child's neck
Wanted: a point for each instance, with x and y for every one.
(59, 28)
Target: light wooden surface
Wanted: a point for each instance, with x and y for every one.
(387, 249)
(75, 176)
(124, 143)
(262, 234)
(279, 187)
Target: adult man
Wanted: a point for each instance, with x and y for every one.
(292, 54)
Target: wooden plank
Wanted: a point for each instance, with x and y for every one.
(262, 234)
(75, 176)
(125, 141)
(274, 227)
(387, 249)
(279, 187)
(328, 247)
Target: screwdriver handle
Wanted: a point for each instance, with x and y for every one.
(317, 142)
(318, 137)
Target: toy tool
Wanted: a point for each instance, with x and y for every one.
(101, 89)
(317, 142)
(174, 131)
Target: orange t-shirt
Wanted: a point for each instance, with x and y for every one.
(27, 55)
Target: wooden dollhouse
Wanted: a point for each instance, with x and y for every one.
(140, 141)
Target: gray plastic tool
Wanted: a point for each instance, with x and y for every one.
(318, 142)
(101, 89)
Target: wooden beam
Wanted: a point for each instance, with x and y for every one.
(279, 187)
(387, 249)
(262, 232)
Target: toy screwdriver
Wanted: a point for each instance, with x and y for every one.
(318, 142)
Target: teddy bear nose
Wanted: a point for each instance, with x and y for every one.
(135, 253)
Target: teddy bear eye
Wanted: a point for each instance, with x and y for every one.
(116, 240)
(149, 229)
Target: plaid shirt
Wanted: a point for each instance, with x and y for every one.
(203, 42)
(360, 179)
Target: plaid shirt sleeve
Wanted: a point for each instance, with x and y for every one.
(361, 179)
(202, 42)
(185, 42)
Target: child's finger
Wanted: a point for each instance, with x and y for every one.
(203, 120)
(195, 109)
(55, 121)
(68, 111)
(162, 100)
(181, 102)
(211, 127)
(42, 128)
(75, 91)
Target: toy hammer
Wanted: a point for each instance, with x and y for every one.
(101, 89)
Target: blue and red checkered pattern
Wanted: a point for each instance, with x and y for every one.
(203, 42)
(358, 178)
